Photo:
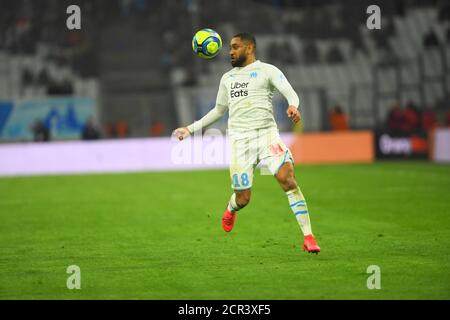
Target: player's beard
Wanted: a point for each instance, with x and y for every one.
(239, 62)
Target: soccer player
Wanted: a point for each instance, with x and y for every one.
(246, 92)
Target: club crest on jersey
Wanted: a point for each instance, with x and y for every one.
(254, 74)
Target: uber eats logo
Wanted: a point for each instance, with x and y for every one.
(239, 89)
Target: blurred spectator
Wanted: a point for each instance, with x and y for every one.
(444, 12)
(40, 132)
(43, 77)
(338, 119)
(430, 39)
(334, 55)
(287, 53)
(311, 53)
(27, 77)
(273, 52)
(448, 119)
(90, 131)
(395, 119)
(63, 87)
(428, 120)
(387, 57)
(191, 77)
(157, 129)
(411, 119)
(121, 129)
(166, 61)
(357, 43)
(381, 37)
(74, 39)
(110, 130)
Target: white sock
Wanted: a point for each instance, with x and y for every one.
(298, 206)
(232, 205)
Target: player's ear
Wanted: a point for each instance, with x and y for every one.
(249, 48)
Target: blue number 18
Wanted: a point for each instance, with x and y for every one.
(244, 180)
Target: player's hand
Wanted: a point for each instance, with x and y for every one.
(293, 113)
(182, 133)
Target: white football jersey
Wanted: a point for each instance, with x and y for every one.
(246, 92)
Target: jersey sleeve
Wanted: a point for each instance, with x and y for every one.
(279, 81)
(214, 114)
(222, 94)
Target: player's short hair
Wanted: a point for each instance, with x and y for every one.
(246, 37)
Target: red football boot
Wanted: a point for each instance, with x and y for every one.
(228, 220)
(310, 244)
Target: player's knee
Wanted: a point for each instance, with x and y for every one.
(289, 183)
(286, 177)
(243, 198)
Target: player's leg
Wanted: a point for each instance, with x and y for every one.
(242, 161)
(238, 200)
(280, 163)
(286, 178)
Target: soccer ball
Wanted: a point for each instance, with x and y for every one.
(207, 43)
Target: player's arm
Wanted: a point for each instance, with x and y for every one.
(212, 116)
(280, 82)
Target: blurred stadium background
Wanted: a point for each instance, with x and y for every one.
(128, 78)
(129, 72)
(133, 59)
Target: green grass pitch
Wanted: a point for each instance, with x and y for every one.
(159, 235)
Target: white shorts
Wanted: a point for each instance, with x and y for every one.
(250, 148)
